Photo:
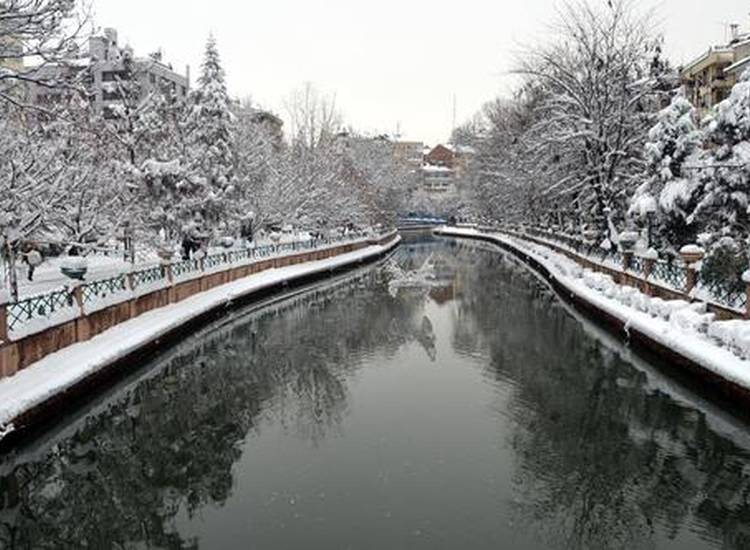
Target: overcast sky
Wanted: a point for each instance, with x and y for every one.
(389, 62)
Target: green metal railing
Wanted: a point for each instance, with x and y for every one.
(26, 312)
(672, 274)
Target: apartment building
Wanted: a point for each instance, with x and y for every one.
(113, 74)
(709, 78)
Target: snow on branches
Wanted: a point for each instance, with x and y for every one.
(666, 199)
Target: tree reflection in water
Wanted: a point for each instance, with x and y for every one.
(170, 442)
(601, 457)
(602, 461)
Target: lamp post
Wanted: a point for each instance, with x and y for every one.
(628, 239)
(691, 255)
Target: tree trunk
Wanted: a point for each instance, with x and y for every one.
(10, 261)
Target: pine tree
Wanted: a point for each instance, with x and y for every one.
(668, 196)
(211, 142)
(726, 177)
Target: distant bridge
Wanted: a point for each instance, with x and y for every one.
(412, 223)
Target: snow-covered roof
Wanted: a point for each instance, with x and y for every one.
(695, 65)
(465, 150)
(433, 168)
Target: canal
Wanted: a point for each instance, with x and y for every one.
(442, 399)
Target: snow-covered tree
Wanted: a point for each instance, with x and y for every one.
(54, 184)
(595, 85)
(48, 31)
(303, 184)
(723, 191)
(667, 198)
(724, 173)
(375, 181)
(259, 148)
(31, 185)
(210, 180)
(97, 199)
(135, 120)
(505, 177)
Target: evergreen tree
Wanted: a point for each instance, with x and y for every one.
(211, 142)
(668, 196)
(723, 210)
(725, 180)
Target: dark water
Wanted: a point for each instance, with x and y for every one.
(448, 400)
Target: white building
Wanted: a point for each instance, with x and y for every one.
(109, 71)
(438, 179)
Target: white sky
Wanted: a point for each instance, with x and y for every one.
(389, 62)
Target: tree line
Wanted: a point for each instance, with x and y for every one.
(599, 138)
(161, 165)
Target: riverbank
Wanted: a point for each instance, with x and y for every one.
(680, 332)
(42, 390)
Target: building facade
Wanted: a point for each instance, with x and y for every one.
(112, 75)
(708, 80)
(409, 153)
(441, 155)
(438, 179)
(445, 166)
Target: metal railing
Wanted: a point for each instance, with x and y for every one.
(44, 306)
(28, 315)
(148, 277)
(94, 290)
(669, 273)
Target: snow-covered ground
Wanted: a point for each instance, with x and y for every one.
(721, 347)
(47, 277)
(107, 286)
(62, 370)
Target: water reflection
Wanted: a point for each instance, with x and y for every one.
(601, 461)
(443, 399)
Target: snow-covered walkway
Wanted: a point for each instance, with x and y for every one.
(60, 371)
(720, 347)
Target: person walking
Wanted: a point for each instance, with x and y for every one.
(33, 259)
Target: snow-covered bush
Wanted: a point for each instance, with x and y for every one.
(724, 264)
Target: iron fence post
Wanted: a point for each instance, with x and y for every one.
(3, 322)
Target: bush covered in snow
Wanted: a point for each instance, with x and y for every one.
(722, 268)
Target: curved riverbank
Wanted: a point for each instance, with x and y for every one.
(725, 372)
(342, 413)
(41, 392)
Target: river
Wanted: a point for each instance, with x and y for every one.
(443, 399)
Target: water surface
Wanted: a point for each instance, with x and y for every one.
(444, 399)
